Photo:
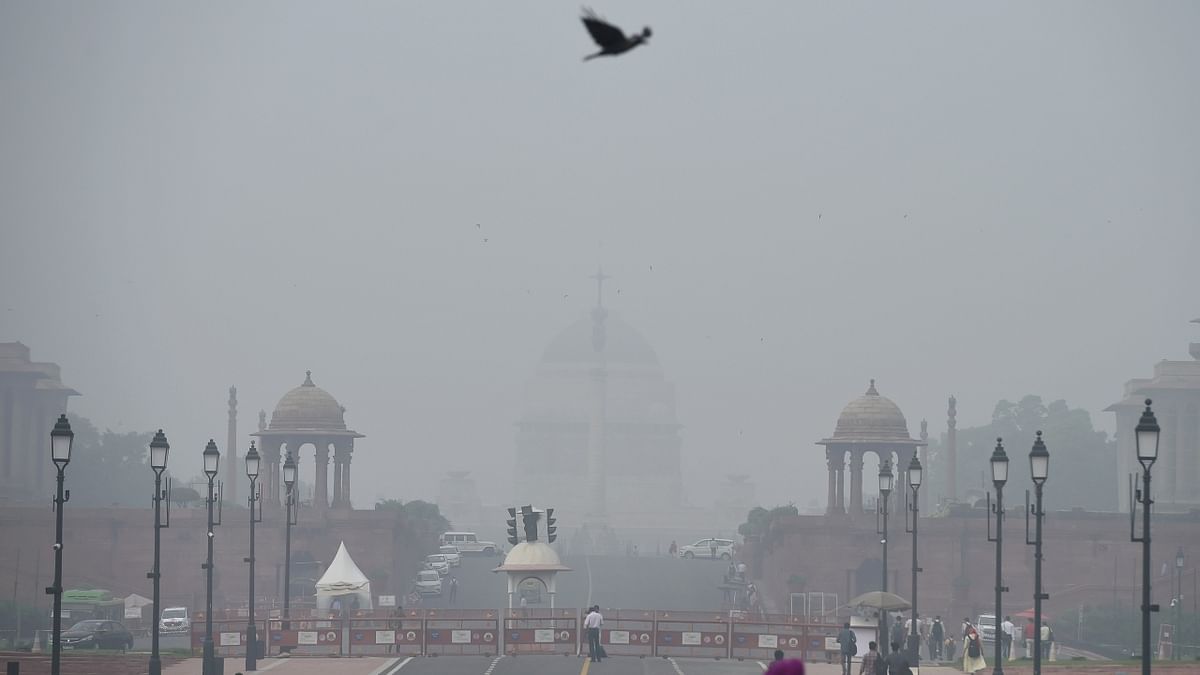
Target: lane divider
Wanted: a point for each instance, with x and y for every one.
(399, 665)
(678, 670)
(492, 665)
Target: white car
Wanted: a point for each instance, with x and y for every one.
(704, 549)
(452, 556)
(467, 542)
(437, 562)
(429, 582)
(175, 620)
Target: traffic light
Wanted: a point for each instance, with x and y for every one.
(530, 517)
(550, 528)
(512, 526)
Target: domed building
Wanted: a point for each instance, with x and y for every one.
(598, 438)
(308, 415)
(870, 423)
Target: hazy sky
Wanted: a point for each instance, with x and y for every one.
(985, 199)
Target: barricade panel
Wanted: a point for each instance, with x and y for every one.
(305, 637)
(759, 637)
(400, 635)
(703, 634)
(541, 631)
(462, 631)
(229, 636)
(626, 632)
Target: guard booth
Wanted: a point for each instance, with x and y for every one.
(626, 632)
(541, 631)
(462, 631)
(703, 634)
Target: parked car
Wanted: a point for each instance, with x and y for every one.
(97, 634)
(429, 582)
(704, 549)
(987, 627)
(452, 556)
(174, 620)
(467, 543)
(437, 562)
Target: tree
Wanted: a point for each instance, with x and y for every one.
(423, 516)
(113, 468)
(759, 520)
(1083, 467)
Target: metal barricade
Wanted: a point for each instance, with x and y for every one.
(541, 631)
(305, 637)
(626, 632)
(229, 636)
(704, 634)
(757, 637)
(462, 631)
(381, 633)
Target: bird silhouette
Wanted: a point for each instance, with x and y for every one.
(609, 38)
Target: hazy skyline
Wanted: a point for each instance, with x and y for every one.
(984, 200)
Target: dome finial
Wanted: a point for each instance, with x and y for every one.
(308, 379)
(871, 390)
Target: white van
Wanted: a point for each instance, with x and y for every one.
(467, 542)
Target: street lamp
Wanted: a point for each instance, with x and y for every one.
(999, 462)
(289, 481)
(252, 464)
(212, 459)
(159, 448)
(1146, 439)
(61, 439)
(1175, 653)
(881, 509)
(1039, 469)
(914, 483)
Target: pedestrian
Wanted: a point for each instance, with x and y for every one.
(870, 660)
(849, 642)
(1047, 638)
(673, 549)
(1006, 637)
(897, 662)
(712, 546)
(973, 651)
(592, 622)
(898, 629)
(786, 667)
(778, 654)
(950, 648)
(937, 634)
(966, 626)
(453, 589)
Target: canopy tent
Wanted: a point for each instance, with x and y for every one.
(134, 604)
(880, 600)
(344, 582)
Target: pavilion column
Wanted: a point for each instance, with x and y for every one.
(831, 493)
(856, 482)
(841, 482)
(1186, 447)
(346, 480)
(267, 486)
(321, 492)
(337, 478)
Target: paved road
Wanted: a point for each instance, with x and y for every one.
(610, 581)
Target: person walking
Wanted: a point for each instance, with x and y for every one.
(1006, 637)
(712, 546)
(453, 589)
(592, 623)
(973, 651)
(849, 642)
(673, 549)
(1047, 638)
(898, 629)
(778, 654)
(937, 634)
(870, 661)
(897, 661)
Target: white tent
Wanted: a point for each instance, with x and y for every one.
(343, 581)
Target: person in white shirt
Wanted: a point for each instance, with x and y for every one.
(1006, 637)
(592, 622)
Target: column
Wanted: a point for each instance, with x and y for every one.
(856, 479)
(841, 481)
(1186, 447)
(1169, 453)
(831, 492)
(337, 478)
(346, 480)
(321, 492)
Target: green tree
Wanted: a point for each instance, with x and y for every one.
(109, 468)
(424, 517)
(759, 520)
(1083, 467)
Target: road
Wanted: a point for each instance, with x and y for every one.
(645, 582)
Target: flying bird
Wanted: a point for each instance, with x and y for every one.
(611, 40)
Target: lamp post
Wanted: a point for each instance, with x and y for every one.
(289, 481)
(212, 459)
(1146, 439)
(61, 438)
(881, 510)
(252, 464)
(158, 463)
(1039, 469)
(1175, 653)
(999, 462)
(914, 483)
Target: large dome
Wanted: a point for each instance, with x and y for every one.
(622, 344)
(308, 407)
(871, 417)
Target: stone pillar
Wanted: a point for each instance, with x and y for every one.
(597, 493)
(841, 481)
(337, 478)
(925, 489)
(1186, 448)
(856, 480)
(321, 490)
(1169, 456)
(831, 493)
(952, 450)
(230, 460)
(346, 480)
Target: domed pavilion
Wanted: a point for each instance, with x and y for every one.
(869, 423)
(309, 415)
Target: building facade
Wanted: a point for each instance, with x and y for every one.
(32, 396)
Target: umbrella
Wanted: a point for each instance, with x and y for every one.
(880, 600)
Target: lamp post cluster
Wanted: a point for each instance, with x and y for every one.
(61, 441)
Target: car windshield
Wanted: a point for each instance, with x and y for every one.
(448, 550)
(437, 557)
(428, 576)
(91, 624)
(174, 613)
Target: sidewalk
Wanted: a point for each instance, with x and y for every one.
(314, 665)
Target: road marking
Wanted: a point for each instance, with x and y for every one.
(678, 670)
(389, 666)
(492, 665)
(275, 663)
(587, 663)
(762, 665)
